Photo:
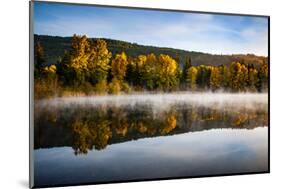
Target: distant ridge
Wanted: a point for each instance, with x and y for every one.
(55, 46)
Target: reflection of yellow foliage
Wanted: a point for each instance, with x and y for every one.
(122, 130)
(103, 135)
(242, 118)
(141, 127)
(88, 128)
(193, 115)
(87, 135)
(170, 125)
(213, 116)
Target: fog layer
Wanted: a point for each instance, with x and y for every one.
(165, 100)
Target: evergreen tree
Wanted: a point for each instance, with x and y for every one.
(39, 59)
(186, 66)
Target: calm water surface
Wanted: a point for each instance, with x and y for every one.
(115, 138)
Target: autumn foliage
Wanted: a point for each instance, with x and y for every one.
(89, 68)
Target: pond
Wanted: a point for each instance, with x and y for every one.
(149, 136)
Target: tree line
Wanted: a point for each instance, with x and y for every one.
(89, 67)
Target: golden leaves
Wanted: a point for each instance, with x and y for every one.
(119, 66)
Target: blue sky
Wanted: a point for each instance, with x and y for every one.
(216, 34)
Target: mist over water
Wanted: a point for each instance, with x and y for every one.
(165, 100)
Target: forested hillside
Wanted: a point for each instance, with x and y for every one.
(83, 66)
(55, 47)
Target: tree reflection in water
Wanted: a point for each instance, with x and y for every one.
(86, 128)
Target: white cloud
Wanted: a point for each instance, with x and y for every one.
(196, 32)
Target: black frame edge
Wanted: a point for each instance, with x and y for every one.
(31, 95)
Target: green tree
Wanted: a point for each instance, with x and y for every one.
(203, 77)
(263, 77)
(133, 73)
(186, 66)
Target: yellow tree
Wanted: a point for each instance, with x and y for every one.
(119, 66)
(141, 60)
(191, 77)
(215, 78)
(79, 53)
(149, 71)
(253, 78)
(243, 79)
(168, 72)
(235, 72)
(239, 76)
(114, 86)
(73, 66)
(98, 62)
